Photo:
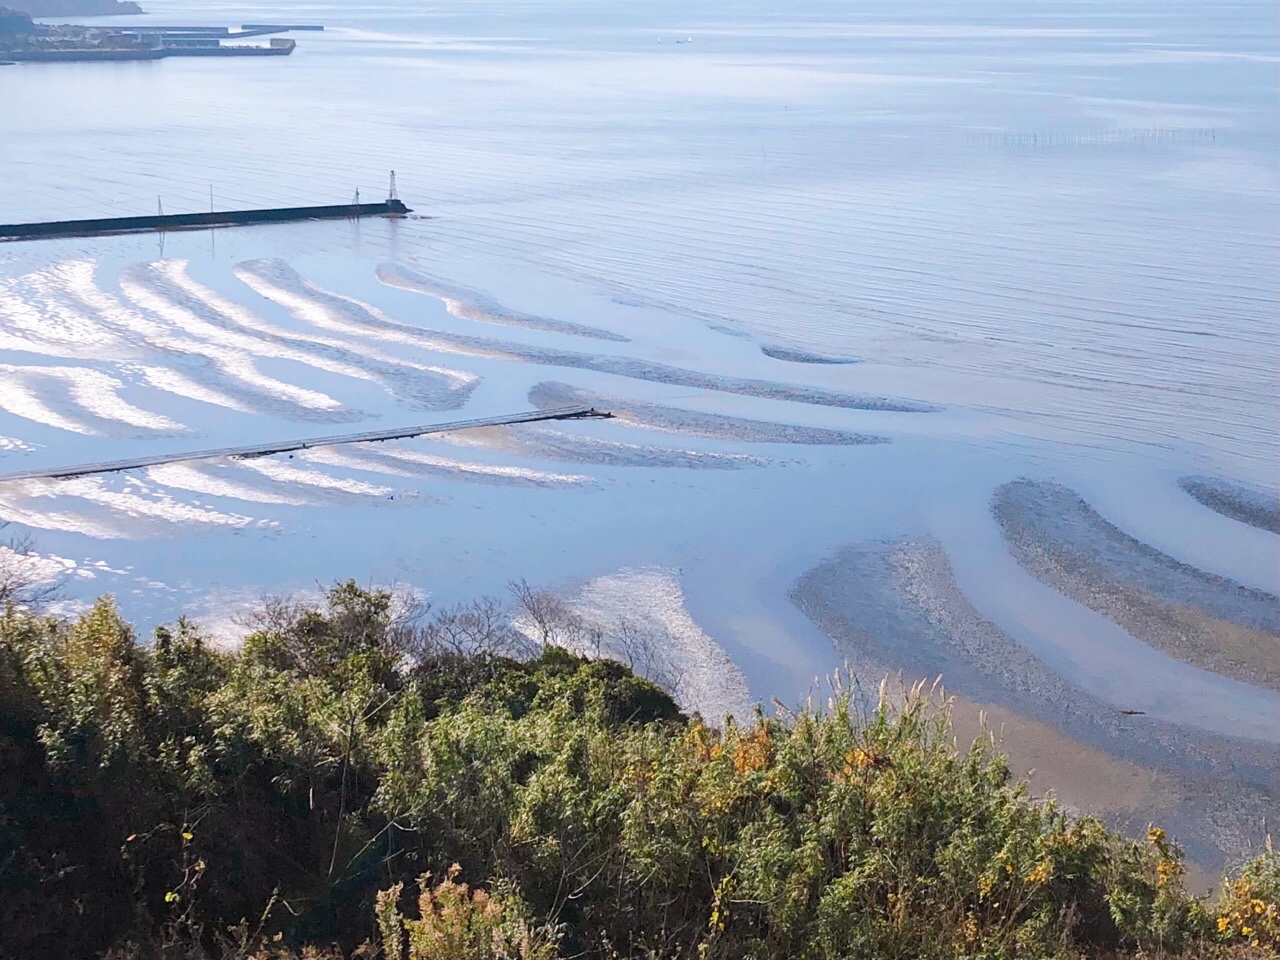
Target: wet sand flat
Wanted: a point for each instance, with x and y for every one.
(549, 443)
(1085, 779)
(895, 606)
(712, 426)
(1198, 617)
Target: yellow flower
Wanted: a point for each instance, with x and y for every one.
(1223, 923)
(1041, 873)
(753, 752)
(862, 759)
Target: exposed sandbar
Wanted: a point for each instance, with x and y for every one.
(1257, 508)
(311, 304)
(712, 426)
(548, 443)
(192, 308)
(1198, 617)
(796, 355)
(896, 607)
(407, 458)
(471, 305)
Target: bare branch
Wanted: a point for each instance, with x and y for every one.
(478, 628)
(25, 577)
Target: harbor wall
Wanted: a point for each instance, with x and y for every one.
(189, 221)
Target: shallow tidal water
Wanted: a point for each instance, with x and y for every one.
(1039, 239)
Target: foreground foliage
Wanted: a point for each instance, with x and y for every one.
(350, 781)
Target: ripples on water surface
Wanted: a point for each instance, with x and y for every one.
(1039, 240)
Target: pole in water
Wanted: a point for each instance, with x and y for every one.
(160, 206)
(213, 242)
(392, 194)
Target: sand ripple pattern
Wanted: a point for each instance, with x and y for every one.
(221, 478)
(163, 500)
(472, 305)
(167, 290)
(145, 344)
(110, 508)
(550, 443)
(91, 361)
(712, 426)
(78, 400)
(401, 459)
(331, 311)
(150, 327)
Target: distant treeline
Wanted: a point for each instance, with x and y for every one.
(377, 781)
(15, 23)
(77, 8)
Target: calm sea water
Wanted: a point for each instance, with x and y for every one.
(1058, 222)
(1063, 214)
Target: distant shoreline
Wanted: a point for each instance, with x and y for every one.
(79, 8)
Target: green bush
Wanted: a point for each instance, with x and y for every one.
(168, 799)
(1247, 914)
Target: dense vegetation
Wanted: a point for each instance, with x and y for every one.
(14, 22)
(368, 783)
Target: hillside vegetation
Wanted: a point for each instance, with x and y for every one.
(352, 781)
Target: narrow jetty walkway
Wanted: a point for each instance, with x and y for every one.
(266, 449)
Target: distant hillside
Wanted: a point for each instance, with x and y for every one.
(78, 8)
(14, 22)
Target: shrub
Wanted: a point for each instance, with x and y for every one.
(166, 800)
(1247, 914)
(457, 922)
